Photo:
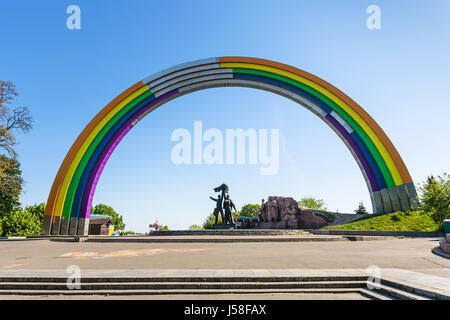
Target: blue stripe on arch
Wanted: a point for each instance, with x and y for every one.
(373, 165)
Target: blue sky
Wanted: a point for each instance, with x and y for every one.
(399, 74)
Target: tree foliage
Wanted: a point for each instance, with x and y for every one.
(117, 219)
(10, 184)
(209, 221)
(38, 209)
(361, 209)
(249, 210)
(435, 197)
(313, 203)
(12, 119)
(21, 223)
(195, 227)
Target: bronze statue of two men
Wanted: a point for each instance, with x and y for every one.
(223, 203)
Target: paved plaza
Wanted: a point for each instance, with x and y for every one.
(407, 254)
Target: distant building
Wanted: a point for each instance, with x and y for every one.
(100, 224)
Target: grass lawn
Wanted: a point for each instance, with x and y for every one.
(397, 221)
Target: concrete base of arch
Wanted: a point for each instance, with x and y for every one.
(64, 228)
(83, 227)
(73, 226)
(399, 198)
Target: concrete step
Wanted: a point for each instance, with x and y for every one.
(414, 290)
(229, 232)
(183, 285)
(173, 291)
(224, 239)
(388, 289)
(186, 279)
(375, 295)
(398, 293)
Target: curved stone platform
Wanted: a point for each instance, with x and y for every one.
(215, 236)
(445, 246)
(226, 238)
(231, 232)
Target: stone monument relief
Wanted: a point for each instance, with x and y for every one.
(276, 213)
(284, 213)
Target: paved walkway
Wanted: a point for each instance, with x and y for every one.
(407, 254)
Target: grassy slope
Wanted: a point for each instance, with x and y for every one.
(398, 221)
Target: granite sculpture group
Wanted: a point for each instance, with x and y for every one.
(223, 203)
(276, 213)
(285, 213)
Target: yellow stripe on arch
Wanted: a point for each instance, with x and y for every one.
(79, 155)
(360, 121)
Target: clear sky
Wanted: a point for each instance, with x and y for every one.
(399, 74)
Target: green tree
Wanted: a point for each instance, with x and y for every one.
(117, 219)
(312, 203)
(195, 227)
(249, 210)
(209, 221)
(38, 209)
(21, 223)
(435, 197)
(10, 185)
(361, 209)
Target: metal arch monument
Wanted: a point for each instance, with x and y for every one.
(69, 203)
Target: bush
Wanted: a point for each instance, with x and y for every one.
(21, 223)
(435, 198)
(312, 203)
(38, 210)
(1, 225)
(209, 221)
(129, 233)
(195, 227)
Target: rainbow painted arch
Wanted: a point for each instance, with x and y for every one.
(69, 203)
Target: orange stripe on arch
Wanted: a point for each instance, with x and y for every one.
(401, 167)
(51, 202)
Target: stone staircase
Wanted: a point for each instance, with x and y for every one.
(173, 286)
(340, 218)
